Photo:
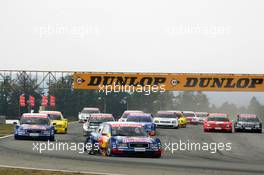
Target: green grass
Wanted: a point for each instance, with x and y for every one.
(12, 171)
(6, 129)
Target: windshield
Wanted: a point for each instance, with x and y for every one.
(54, 116)
(201, 115)
(219, 119)
(101, 119)
(127, 113)
(128, 131)
(188, 114)
(169, 116)
(34, 121)
(139, 119)
(248, 119)
(87, 111)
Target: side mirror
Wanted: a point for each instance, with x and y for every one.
(15, 123)
(85, 120)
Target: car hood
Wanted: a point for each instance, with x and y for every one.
(27, 126)
(218, 122)
(165, 119)
(58, 122)
(127, 139)
(248, 123)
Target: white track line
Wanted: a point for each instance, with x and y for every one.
(56, 170)
(10, 135)
(3, 137)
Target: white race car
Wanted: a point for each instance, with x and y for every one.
(166, 119)
(85, 114)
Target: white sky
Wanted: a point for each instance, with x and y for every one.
(207, 36)
(139, 35)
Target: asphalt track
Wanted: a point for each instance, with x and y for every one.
(245, 157)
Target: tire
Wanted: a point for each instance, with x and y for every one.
(109, 150)
(92, 151)
(16, 137)
(259, 131)
(51, 138)
(66, 131)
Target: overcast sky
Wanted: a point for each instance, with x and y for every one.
(139, 35)
(223, 36)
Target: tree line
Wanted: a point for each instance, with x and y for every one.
(71, 101)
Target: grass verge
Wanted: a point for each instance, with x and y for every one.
(6, 129)
(17, 171)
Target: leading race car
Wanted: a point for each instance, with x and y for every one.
(34, 126)
(126, 113)
(94, 121)
(191, 117)
(167, 119)
(123, 138)
(218, 122)
(57, 119)
(145, 119)
(248, 122)
(85, 113)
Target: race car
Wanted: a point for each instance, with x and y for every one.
(145, 119)
(201, 116)
(248, 122)
(94, 121)
(126, 113)
(167, 119)
(218, 122)
(57, 119)
(123, 139)
(85, 113)
(34, 126)
(191, 117)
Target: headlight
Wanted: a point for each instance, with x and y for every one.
(122, 145)
(155, 145)
(257, 126)
(21, 131)
(227, 126)
(174, 122)
(208, 125)
(47, 132)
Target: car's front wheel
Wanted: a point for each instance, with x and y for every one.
(109, 150)
(51, 138)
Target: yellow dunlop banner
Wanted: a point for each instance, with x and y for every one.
(170, 82)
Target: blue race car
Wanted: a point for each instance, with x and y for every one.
(146, 120)
(123, 138)
(34, 126)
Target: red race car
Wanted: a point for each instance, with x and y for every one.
(218, 122)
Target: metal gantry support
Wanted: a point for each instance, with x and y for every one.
(42, 79)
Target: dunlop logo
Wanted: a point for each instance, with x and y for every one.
(228, 83)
